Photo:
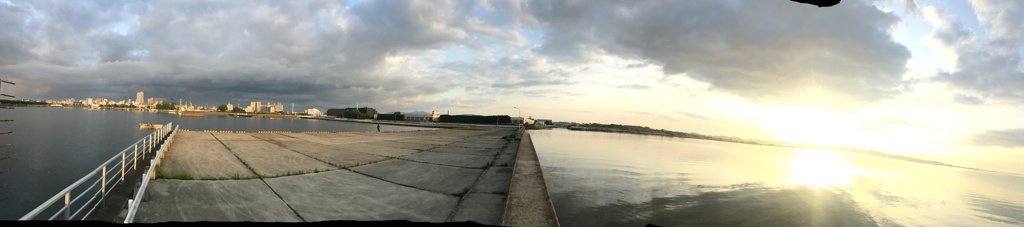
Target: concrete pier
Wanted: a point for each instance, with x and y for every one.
(529, 203)
(445, 175)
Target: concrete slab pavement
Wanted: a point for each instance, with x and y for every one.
(421, 186)
(272, 136)
(480, 208)
(449, 159)
(437, 178)
(223, 136)
(200, 155)
(270, 160)
(403, 145)
(370, 148)
(197, 200)
(466, 150)
(326, 139)
(332, 155)
(495, 180)
(345, 195)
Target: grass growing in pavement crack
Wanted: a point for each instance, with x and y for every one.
(460, 194)
(179, 176)
(258, 175)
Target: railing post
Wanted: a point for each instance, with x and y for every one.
(122, 167)
(135, 157)
(67, 205)
(103, 185)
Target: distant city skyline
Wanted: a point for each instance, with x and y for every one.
(251, 107)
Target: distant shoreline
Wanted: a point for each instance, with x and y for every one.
(638, 130)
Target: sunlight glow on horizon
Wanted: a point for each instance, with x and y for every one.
(821, 169)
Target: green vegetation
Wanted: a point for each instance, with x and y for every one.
(460, 194)
(165, 106)
(235, 177)
(397, 116)
(180, 176)
(24, 102)
(474, 119)
(643, 130)
(222, 108)
(354, 113)
(538, 126)
(118, 106)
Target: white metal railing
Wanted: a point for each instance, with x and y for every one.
(133, 204)
(111, 173)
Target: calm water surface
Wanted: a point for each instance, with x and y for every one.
(52, 147)
(607, 179)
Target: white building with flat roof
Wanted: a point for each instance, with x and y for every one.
(423, 117)
(314, 112)
(522, 121)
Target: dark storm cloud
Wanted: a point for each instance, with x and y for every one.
(758, 49)
(508, 72)
(318, 52)
(323, 53)
(1003, 138)
(990, 67)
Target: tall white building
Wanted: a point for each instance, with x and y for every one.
(253, 107)
(314, 112)
(139, 98)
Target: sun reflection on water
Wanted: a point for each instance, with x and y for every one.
(820, 169)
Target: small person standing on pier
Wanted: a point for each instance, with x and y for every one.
(378, 127)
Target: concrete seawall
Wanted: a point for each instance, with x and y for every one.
(529, 203)
(446, 175)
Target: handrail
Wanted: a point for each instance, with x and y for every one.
(134, 206)
(157, 137)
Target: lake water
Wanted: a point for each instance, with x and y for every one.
(52, 147)
(607, 179)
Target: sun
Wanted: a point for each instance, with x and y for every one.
(820, 169)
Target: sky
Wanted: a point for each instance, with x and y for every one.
(937, 80)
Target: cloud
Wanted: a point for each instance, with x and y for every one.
(911, 7)
(320, 53)
(635, 86)
(1003, 138)
(656, 116)
(693, 115)
(519, 70)
(967, 99)
(637, 65)
(991, 66)
(768, 51)
(900, 122)
(665, 118)
(324, 53)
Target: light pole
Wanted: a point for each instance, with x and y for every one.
(520, 115)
